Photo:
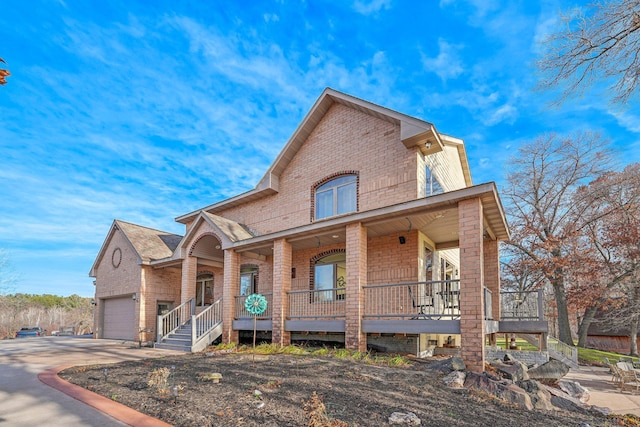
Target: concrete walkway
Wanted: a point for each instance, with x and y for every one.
(603, 393)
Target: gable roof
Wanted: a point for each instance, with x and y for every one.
(413, 133)
(228, 231)
(148, 244)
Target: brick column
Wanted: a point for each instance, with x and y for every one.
(492, 274)
(354, 338)
(189, 275)
(471, 279)
(281, 285)
(230, 288)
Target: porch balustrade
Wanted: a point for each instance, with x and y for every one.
(488, 303)
(242, 313)
(438, 299)
(522, 305)
(317, 304)
(170, 322)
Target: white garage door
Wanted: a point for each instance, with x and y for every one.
(119, 319)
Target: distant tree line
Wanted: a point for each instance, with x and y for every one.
(50, 312)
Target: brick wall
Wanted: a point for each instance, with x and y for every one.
(157, 285)
(355, 339)
(111, 281)
(345, 139)
(471, 280)
(529, 358)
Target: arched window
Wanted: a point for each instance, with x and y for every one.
(204, 289)
(329, 277)
(337, 196)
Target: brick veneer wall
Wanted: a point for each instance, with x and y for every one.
(111, 282)
(157, 285)
(230, 287)
(355, 339)
(281, 285)
(344, 140)
(471, 280)
(492, 274)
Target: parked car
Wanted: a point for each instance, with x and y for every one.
(34, 331)
(66, 331)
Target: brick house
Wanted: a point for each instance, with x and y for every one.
(365, 230)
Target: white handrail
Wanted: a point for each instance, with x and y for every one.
(205, 321)
(171, 321)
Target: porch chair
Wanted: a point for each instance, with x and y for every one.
(628, 377)
(422, 306)
(634, 363)
(615, 374)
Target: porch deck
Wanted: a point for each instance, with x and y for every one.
(412, 308)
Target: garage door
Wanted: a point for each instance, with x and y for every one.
(118, 319)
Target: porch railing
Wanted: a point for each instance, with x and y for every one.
(170, 322)
(317, 304)
(242, 313)
(437, 299)
(205, 321)
(522, 305)
(488, 303)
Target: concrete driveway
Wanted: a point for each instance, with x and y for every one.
(26, 401)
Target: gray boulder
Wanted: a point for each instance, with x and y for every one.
(455, 379)
(446, 366)
(505, 390)
(404, 419)
(512, 370)
(553, 369)
(540, 397)
(574, 389)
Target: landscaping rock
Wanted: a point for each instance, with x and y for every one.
(512, 370)
(455, 379)
(404, 419)
(446, 366)
(562, 400)
(553, 369)
(505, 390)
(574, 389)
(540, 397)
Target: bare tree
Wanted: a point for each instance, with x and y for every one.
(3, 73)
(610, 255)
(600, 42)
(544, 217)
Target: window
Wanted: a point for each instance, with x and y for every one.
(329, 277)
(248, 280)
(335, 197)
(433, 186)
(204, 289)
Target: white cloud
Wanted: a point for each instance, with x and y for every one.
(447, 64)
(370, 7)
(504, 114)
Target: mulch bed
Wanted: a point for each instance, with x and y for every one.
(288, 390)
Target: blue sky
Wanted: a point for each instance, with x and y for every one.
(146, 110)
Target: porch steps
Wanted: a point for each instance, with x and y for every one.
(180, 340)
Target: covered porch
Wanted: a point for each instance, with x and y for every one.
(388, 283)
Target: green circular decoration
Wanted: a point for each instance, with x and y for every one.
(255, 304)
